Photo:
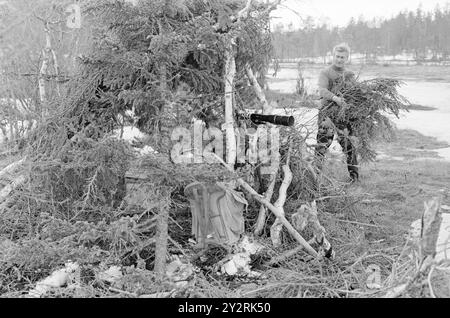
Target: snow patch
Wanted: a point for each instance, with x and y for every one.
(57, 279)
(132, 135)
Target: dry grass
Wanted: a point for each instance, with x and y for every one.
(366, 224)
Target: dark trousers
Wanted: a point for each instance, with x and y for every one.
(325, 136)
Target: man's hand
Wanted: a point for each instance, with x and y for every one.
(343, 106)
(340, 101)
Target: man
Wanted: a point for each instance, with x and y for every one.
(332, 105)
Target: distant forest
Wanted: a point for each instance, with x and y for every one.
(423, 34)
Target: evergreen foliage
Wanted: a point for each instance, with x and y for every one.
(417, 32)
(369, 102)
(164, 61)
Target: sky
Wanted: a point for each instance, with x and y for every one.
(339, 12)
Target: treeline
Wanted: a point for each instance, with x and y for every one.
(423, 34)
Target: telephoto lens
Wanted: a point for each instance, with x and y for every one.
(273, 119)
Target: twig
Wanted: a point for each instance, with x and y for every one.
(90, 189)
(275, 285)
(178, 246)
(285, 255)
(257, 89)
(244, 12)
(263, 210)
(399, 290)
(10, 168)
(123, 292)
(363, 224)
(430, 286)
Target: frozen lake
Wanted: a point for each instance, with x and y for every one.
(435, 123)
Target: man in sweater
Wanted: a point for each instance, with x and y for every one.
(329, 81)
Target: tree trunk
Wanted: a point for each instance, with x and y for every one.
(162, 234)
(43, 94)
(230, 73)
(267, 109)
(162, 237)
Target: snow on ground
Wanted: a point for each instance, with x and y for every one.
(132, 134)
(434, 123)
(359, 58)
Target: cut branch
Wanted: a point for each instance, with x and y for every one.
(230, 73)
(259, 227)
(275, 230)
(273, 209)
(244, 12)
(258, 90)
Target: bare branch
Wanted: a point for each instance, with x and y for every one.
(275, 230)
(258, 90)
(273, 209)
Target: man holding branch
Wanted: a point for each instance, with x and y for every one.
(331, 111)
